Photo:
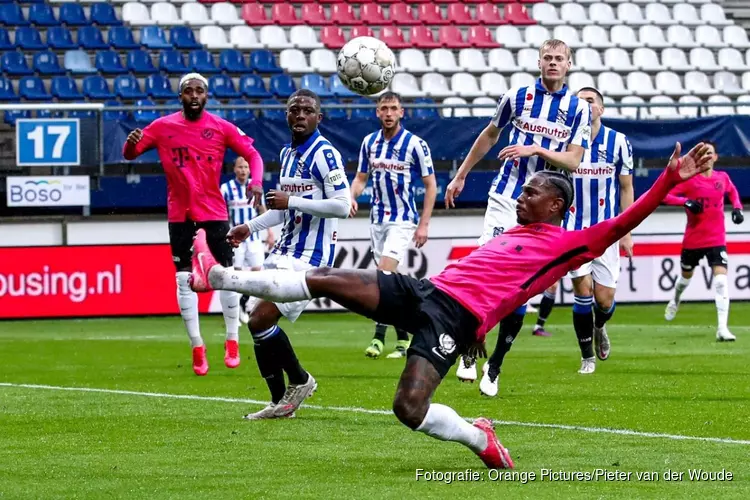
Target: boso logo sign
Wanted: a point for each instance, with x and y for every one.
(50, 191)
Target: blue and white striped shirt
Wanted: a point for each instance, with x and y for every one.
(240, 208)
(313, 170)
(597, 180)
(552, 120)
(395, 165)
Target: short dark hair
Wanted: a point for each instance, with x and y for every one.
(305, 93)
(562, 183)
(387, 96)
(595, 91)
(709, 142)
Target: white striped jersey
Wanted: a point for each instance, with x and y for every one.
(240, 208)
(395, 164)
(597, 180)
(552, 120)
(315, 171)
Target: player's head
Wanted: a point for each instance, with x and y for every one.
(712, 151)
(303, 112)
(546, 197)
(595, 100)
(554, 60)
(241, 169)
(193, 94)
(389, 110)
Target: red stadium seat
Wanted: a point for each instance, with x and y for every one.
(459, 13)
(481, 38)
(357, 31)
(402, 15)
(255, 14)
(431, 1)
(482, 1)
(504, 1)
(452, 38)
(422, 37)
(372, 14)
(392, 36)
(489, 14)
(430, 14)
(531, 1)
(324, 1)
(343, 14)
(517, 14)
(284, 14)
(315, 15)
(332, 37)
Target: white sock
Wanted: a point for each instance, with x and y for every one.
(188, 301)
(273, 285)
(682, 284)
(443, 423)
(230, 308)
(721, 287)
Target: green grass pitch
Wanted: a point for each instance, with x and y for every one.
(685, 397)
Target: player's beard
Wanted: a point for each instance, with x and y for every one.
(192, 114)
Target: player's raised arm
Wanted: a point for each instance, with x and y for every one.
(139, 141)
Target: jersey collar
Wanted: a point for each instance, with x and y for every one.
(302, 148)
(540, 88)
(396, 137)
(599, 139)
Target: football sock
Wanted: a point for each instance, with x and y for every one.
(188, 302)
(443, 423)
(545, 308)
(682, 284)
(380, 329)
(268, 364)
(243, 301)
(402, 335)
(722, 299)
(272, 285)
(601, 316)
(509, 328)
(583, 322)
(230, 308)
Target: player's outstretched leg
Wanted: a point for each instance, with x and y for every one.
(545, 309)
(583, 322)
(510, 327)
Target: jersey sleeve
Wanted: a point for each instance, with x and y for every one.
(422, 159)
(241, 144)
(676, 197)
(505, 108)
(328, 170)
(625, 157)
(225, 191)
(580, 133)
(149, 140)
(731, 190)
(364, 157)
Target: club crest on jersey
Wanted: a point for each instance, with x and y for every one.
(207, 133)
(718, 186)
(302, 170)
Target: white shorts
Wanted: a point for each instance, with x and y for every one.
(499, 217)
(605, 269)
(290, 310)
(391, 239)
(249, 254)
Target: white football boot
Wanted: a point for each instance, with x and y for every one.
(671, 311)
(488, 384)
(724, 335)
(467, 369)
(588, 365)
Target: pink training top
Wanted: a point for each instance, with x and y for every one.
(705, 229)
(192, 154)
(499, 277)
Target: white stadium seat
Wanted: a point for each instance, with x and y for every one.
(647, 60)
(488, 111)
(681, 37)
(528, 59)
(736, 36)
(578, 80)
(640, 83)
(713, 14)
(574, 14)
(436, 85)
(743, 109)
(628, 13)
(472, 60)
(165, 14)
(195, 14)
(414, 61)
(603, 14)
(669, 83)
(609, 110)
(675, 60)
(303, 37)
(244, 37)
(502, 60)
(535, 36)
(493, 84)
(136, 14)
(746, 80)
(588, 60)
(686, 14)
(719, 110)
(596, 37)
(570, 35)
(510, 37)
(653, 37)
(455, 112)
(624, 37)
(323, 61)
(611, 83)
(697, 83)
(668, 112)
(658, 14)
(545, 14)
(465, 84)
(274, 37)
(443, 61)
(618, 60)
(522, 80)
(703, 59)
(692, 111)
(727, 83)
(294, 61)
(213, 37)
(634, 113)
(731, 59)
(709, 37)
(406, 85)
(225, 14)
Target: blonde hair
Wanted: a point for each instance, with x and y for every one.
(555, 44)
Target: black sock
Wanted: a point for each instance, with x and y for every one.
(601, 316)
(583, 322)
(243, 302)
(402, 334)
(270, 369)
(509, 328)
(380, 329)
(545, 308)
(290, 363)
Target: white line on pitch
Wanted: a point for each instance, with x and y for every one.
(599, 430)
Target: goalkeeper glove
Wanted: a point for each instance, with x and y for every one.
(737, 216)
(694, 206)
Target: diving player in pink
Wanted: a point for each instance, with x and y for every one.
(451, 313)
(705, 236)
(191, 144)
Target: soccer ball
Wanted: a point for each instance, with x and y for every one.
(366, 65)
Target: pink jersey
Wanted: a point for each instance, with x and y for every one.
(705, 229)
(192, 154)
(499, 277)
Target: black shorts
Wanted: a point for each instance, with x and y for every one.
(442, 328)
(716, 256)
(181, 241)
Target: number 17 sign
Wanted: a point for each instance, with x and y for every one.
(42, 142)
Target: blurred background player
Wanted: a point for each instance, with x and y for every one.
(191, 144)
(550, 128)
(706, 236)
(314, 194)
(251, 253)
(395, 157)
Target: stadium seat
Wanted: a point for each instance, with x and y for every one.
(427, 13)
(28, 38)
(356, 31)
(65, 89)
(640, 83)
(339, 89)
(239, 115)
(719, 110)
(697, 83)
(502, 60)
(317, 84)
(46, 63)
(334, 113)
(634, 113)
(313, 14)
(145, 116)
(214, 106)
(510, 37)
(304, 37)
(575, 14)
(489, 15)
(136, 14)
(465, 84)
(341, 14)
(535, 36)
(272, 113)
(569, 34)
(103, 14)
(735, 36)
(732, 60)
(252, 86)
(202, 61)
(545, 14)
(32, 88)
(681, 37)
(282, 86)
(744, 107)
(71, 14)
(579, 80)
(332, 37)
(602, 14)
(528, 59)
(165, 14)
(12, 15)
(7, 94)
(658, 14)
(443, 61)
(493, 84)
(5, 43)
(448, 36)
(457, 13)
(480, 37)
(516, 14)
(704, 59)
(213, 37)
(139, 62)
(95, 87)
(78, 62)
(675, 60)
(708, 37)
(653, 37)
(472, 60)
(244, 37)
(624, 37)
(586, 59)
(406, 85)
(459, 112)
(426, 112)
(294, 61)
(182, 37)
(629, 13)
(284, 14)
(372, 14)
(394, 38)
(487, 110)
(713, 15)
(195, 14)
(686, 15)
(692, 111)
(172, 61)
(90, 38)
(727, 83)
(153, 37)
(647, 60)
(108, 62)
(225, 14)
(14, 63)
(60, 38)
(41, 14)
(668, 83)
(81, 114)
(232, 61)
(595, 37)
(323, 61)
(113, 113)
(274, 37)
(263, 61)
(613, 84)
(254, 14)
(127, 87)
(120, 37)
(667, 112)
(616, 59)
(365, 113)
(159, 87)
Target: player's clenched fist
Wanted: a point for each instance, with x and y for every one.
(135, 136)
(238, 234)
(277, 200)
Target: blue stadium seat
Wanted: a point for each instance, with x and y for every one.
(120, 37)
(65, 89)
(252, 86)
(108, 62)
(60, 38)
(46, 63)
(12, 15)
(367, 113)
(338, 88)
(7, 94)
(103, 14)
(32, 89)
(14, 63)
(127, 87)
(29, 39)
(425, 113)
(79, 113)
(114, 114)
(143, 116)
(214, 105)
(95, 87)
(172, 61)
(334, 113)
(236, 115)
(71, 14)
(182, 37)
(232, 61)
(317, 84)
(153, 37)
(41, 14)
(272, 114)
(90, 38)
(11, 115)
(222, 87)
(263, 61)
(282, 86)
(159, 87)
(139, 61)
(175, 103)
(202, 61)
(78, 62)
(5, 43)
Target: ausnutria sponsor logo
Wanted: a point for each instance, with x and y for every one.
(543, 128)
